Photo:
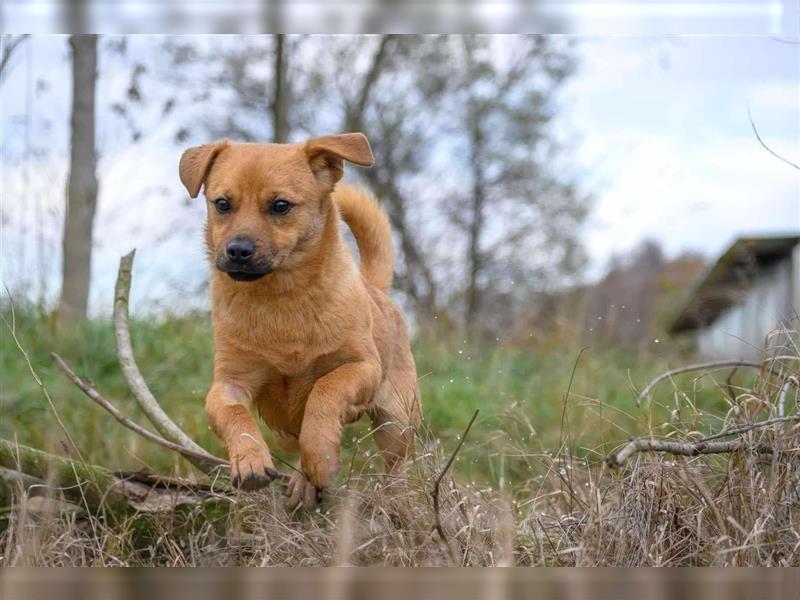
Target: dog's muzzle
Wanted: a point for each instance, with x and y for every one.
(240, 262)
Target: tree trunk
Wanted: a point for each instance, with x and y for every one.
(280, 101)
(82, 183)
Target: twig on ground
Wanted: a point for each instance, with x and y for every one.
(204, 457)
(437, 484)
(636, 446)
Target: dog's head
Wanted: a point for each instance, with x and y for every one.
(268, 203)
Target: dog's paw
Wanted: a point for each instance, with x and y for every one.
(300, 491)
(251, 466)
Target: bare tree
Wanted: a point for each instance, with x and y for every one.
(82, 183)
(517, 214)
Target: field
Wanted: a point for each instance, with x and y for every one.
(529, 486)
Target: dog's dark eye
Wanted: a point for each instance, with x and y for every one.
(280, 207)
(222, 205)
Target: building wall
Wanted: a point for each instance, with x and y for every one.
(742, 330)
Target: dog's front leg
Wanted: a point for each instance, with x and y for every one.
(228, 408)
(336, 398)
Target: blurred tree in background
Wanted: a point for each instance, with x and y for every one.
(82, 183)
(519, 216)
(467, 166)
(484, 206)
(629, 307)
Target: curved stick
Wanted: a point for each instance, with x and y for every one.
(208, 461)
(144, 397)
(720, 364)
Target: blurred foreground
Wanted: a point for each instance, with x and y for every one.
(684, 584)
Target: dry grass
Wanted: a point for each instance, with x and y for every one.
(740, 508)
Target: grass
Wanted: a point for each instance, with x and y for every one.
(520, 393)
(529, 486)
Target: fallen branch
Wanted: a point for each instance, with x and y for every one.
(15, 482)
(636, 446)
(131, 498)
(141, 392)
(437, 484)
(91, 487)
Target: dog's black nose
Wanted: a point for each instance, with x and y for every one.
(240, 250)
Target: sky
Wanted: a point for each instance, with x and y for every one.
(657, 128)
(663, 133)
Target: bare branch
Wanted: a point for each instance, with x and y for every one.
(636, 446)
(764, 145)
(749, 427)
(720, 364)
(438, 483)
(160, 420)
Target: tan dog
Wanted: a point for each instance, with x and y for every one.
(300, 332)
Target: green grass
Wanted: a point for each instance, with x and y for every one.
(520, 393)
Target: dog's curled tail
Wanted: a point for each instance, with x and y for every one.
(370, 226)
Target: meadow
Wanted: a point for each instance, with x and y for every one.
(526, 395)
(530, 486)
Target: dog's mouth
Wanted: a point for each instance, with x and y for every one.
(245, 272)
(245, 275)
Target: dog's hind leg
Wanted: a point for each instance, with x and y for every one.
(395, 419)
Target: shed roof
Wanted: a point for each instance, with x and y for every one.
(724, 283)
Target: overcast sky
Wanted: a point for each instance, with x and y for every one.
(658, 127)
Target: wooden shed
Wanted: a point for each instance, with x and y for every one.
(751, 290)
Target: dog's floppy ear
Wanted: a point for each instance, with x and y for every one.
(195, 164)
(327, 153)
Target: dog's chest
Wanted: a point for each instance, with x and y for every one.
(287, 342)
(282, 401)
